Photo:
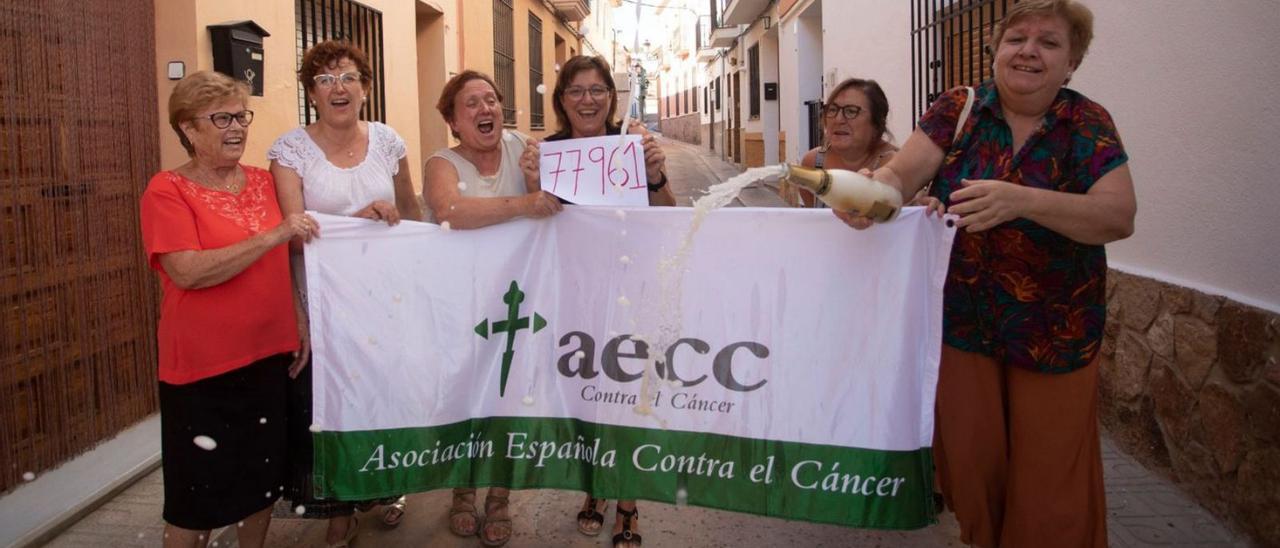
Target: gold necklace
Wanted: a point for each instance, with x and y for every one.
(203, 180)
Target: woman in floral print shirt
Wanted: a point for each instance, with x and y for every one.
(1040, 182)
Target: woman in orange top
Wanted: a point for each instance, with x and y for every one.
(213, 232)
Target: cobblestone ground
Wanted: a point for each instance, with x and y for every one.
(1143, 510)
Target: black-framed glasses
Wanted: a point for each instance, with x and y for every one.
(597, 92)
(329, 80)
(222, 120)
(849, 112)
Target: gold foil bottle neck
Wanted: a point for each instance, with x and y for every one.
(816, 180)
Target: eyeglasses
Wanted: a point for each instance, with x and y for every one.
(597, 92)
(222, 120)
(849, 112)
(327, 81)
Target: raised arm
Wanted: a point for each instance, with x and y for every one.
(908, 171)
(198, 269)
(449, 205)
(1102, 215)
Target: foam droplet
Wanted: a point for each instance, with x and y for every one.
(142, 535)
(624, 259)
(268, 495)
(557, 67)
(241, 524)
(527, 400)
(262, 420)
(620, 214)
(462, 185)
(28, 476)
(300, 510)
(682, 496)
(541, 89)
(316, 428)
(624, 301)
(396, 298)
(579, 355)
(205, 442)
(623, 232)
(445, 226)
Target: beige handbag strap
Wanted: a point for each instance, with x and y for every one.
(964, 115)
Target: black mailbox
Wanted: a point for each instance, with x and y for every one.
(770, 91)
(237, 51)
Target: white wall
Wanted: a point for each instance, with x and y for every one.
(1191, 86)
(1192, 91)
(868, 39)
(769, 108)
(800, 67)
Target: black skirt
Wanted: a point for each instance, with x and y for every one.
(223, 444)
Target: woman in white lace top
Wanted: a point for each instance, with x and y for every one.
(338, 165)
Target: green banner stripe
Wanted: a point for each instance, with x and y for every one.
(799, 481)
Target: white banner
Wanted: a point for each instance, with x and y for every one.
(794, 327)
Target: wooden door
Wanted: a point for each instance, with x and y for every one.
(78, 142)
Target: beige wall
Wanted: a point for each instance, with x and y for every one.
(477, 53)
(181, 36)
(425, 44)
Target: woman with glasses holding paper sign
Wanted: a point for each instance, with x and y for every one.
(228, 331)
(586, 105)
(339, 165)
(476, 184)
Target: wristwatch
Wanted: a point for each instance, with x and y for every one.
(661, 182)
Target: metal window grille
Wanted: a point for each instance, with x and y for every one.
(504, 58)
(950, 46)
(753, 91)
(320, 20)
(814, 109)
(537, 116)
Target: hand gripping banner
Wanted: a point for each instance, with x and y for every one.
(783, 365)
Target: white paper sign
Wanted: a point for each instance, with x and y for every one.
(605, 170)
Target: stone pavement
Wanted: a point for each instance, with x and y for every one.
(1143, 510)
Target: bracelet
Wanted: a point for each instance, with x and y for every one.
(661, 183)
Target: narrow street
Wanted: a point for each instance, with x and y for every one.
(1144, 509)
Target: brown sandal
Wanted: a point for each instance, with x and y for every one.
(464, 504)
(493, 504)
(594, 513)
(627, 535)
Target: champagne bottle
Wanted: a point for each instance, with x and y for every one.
(849, 191)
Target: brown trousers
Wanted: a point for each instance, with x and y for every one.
(1017, 453)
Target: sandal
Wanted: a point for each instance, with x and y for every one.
(394, 513)
(593, 514)
(464, 504)
(627, 535)
(492, 505)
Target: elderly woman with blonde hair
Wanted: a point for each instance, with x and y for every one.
(228, 328)
(1040, 181)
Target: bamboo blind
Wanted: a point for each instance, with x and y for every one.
(78, 142)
